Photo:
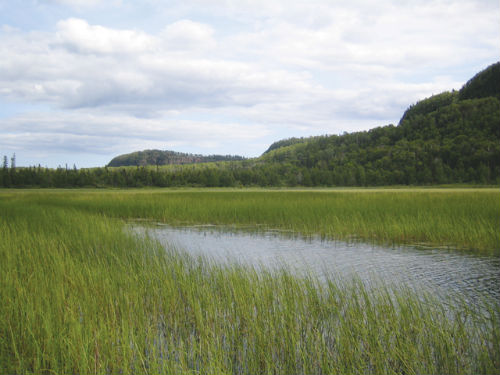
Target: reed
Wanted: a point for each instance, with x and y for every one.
(462, 218)
(80, 294)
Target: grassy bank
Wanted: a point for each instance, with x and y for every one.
(463, 218)
(80, 295)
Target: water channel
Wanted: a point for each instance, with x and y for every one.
(442, 272)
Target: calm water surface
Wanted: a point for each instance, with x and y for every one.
(440, 271)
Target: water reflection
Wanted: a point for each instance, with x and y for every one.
(440, 271)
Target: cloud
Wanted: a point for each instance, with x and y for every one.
(330, 51)
(92, 66)
(84, 66)
(104, 134)
(188, 35)
(76, 34)
(360, 35)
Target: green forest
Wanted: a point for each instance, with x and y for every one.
(158, 157)
(449, 138)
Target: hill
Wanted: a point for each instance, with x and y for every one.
(157, 157)
(447, 138)
(452, 137)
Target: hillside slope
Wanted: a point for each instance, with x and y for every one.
(158, 157)
(447, 138)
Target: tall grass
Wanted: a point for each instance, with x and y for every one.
(79, 294)
(464, 218)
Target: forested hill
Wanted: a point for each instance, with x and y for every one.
(288, 142)
(484, 84)
(450, 137)
(157, 157)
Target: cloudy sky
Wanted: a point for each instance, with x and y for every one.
(82, 81)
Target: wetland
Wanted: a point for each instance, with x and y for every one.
(82, 293)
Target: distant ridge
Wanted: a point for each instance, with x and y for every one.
(158, 157)
(449, 138)
(485, 84)
(452, 137)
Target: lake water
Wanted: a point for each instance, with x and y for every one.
(442, 272)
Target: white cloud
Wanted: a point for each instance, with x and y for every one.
(63, 131)
(188, 35)
(92, 66)
(405, 35)
(78, 35)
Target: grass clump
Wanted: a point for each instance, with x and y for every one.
(79, 294)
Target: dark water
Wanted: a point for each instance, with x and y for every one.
(440, 271)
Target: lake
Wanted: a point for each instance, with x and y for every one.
(442, 272)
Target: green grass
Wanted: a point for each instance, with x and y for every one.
(462, 218)
(79, 294)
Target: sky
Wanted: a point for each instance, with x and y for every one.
(82, 81)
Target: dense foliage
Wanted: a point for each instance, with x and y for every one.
(157, 157)
(453, 137)
(287, 142)
(459, 142)
(485, 83)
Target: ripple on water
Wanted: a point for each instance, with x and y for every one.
(442, 272)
